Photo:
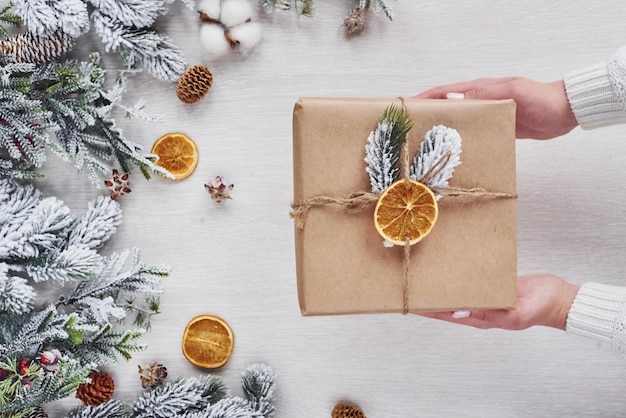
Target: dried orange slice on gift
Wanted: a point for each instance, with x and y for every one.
(208, 341)
(177, 153)
(407, 208)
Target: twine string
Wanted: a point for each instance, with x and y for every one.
(407, 282)
(436, 169)
(359, 201)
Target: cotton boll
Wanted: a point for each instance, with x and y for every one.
(211, 8)
(247, 34)
(213, 41)
(235, 12)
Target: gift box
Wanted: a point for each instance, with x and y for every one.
(468, 260)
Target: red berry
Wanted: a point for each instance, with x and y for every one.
(22, 366)
(47, 358)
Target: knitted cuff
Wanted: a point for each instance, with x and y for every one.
(592, 97)
(598, 313)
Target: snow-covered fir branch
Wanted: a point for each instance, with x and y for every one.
(195, 397)
(378, 6)
(110, 409)
(42, 241)
(384, 147)
(8, 17)
(307, 7)
(154, 51)
(65, 107)
(96, 226)
(192, 394)
(438, 156)
(259, 387)
(122, 272)
(125, 26)
(45, 17)
(302, 7)
(46, 386)
(133, 13)
(16, 295)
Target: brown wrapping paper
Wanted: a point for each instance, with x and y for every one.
(468, 261)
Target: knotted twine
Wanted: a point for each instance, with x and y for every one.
(359, 201)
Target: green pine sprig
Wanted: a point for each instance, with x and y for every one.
(385, 146)
(8, 17)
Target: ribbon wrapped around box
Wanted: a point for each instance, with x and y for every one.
(468, 260)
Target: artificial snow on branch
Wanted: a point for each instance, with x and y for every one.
(384, 147)
(41, 241)
(195, 397)
(125, 27)
(302, 7)
(354, 21)
(440, 151)
(64, 107)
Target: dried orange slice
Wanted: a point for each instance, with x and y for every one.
(177, 153)
(407, 208)
(208, 341)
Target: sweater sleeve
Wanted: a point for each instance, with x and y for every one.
(598, 313)
(597, 93)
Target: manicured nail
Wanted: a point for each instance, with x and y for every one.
(455, 96)
(461, 314)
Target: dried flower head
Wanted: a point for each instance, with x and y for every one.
(153, 375)
(117, 185)
(354, 21)
(218, 189)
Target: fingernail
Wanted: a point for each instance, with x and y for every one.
(461, 314)
(455, 96)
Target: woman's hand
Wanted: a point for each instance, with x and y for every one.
(541, 300)
(543, 111)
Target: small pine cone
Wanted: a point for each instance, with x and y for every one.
(37, 413)
(194, 84)
(31, 48)
(346, 410)
(98, 391)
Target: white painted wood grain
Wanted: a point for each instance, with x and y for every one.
(237, 261)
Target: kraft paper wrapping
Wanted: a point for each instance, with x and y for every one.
(468, 261)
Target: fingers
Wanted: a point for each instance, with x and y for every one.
(463, 87)
(483, 319)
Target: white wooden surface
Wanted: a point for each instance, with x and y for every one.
(237, 260)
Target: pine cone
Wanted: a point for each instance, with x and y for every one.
(194, 84)
(31, 48)
(37, 413)
(98, 391)
(346, 410)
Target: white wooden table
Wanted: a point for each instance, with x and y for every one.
(237, 260)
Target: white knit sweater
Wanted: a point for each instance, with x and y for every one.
(597, 96)
(597, 93)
